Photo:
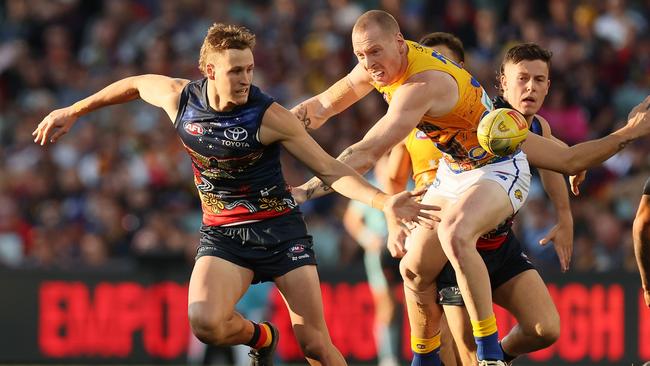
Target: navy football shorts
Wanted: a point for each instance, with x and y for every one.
(503, 264)
(270, 248)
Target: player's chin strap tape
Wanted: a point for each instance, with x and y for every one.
(646, 187)
(450, 296)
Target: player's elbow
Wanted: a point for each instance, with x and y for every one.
(362, 156)
(570, 165)
(572, 169)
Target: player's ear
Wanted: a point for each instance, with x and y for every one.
(209, 71)
(400, 42)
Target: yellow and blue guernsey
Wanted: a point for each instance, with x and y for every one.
(424, 158)
(454, 133)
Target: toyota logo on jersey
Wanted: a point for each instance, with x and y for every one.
(235, 133)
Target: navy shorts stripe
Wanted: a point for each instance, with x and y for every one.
(514, 161)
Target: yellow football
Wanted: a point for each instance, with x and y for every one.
(502, 131)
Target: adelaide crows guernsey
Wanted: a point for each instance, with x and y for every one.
(238, 178)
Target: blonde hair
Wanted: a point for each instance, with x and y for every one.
(382, 19)
(223, 37)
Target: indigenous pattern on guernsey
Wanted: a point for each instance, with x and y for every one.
(455, 132)
(424, 163)
(239, 180)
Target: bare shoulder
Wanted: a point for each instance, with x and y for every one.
(543, 121)
(161, 82)
(275, 113)
(278, 124)
(178, 84)
(546, 127)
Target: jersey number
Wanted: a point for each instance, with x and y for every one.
(443, 59)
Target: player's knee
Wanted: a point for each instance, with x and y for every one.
(315, 346)
(547, 332)
(548, 336)
(208, 327)
(413, 277)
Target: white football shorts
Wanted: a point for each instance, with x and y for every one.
(512, 174)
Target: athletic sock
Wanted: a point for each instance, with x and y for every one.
(262, 336)
(487, 339)
(426, 351)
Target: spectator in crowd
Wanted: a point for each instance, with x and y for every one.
(55, 52)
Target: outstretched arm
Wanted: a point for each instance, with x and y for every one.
(641, 235)
(315, 111)
(554, 184)
(160, 91)
(546, 154)
(279, 125)
(410, 102)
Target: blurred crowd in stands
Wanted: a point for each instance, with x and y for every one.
(118, 188)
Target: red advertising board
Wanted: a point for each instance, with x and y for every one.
(139, 318)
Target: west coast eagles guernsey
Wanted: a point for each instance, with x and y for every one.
(424, 158)
(454, 133)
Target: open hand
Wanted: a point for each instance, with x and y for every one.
(562, 237)
(55, 125)
(403, 208)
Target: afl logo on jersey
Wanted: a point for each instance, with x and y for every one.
(297, 249)
(235, 133)
(194, 129)
(420, 135)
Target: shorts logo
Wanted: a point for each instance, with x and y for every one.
(477, 153)
(194, 129)
(503, 177)
(297, 249)
(235, 133)
(519, 195)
